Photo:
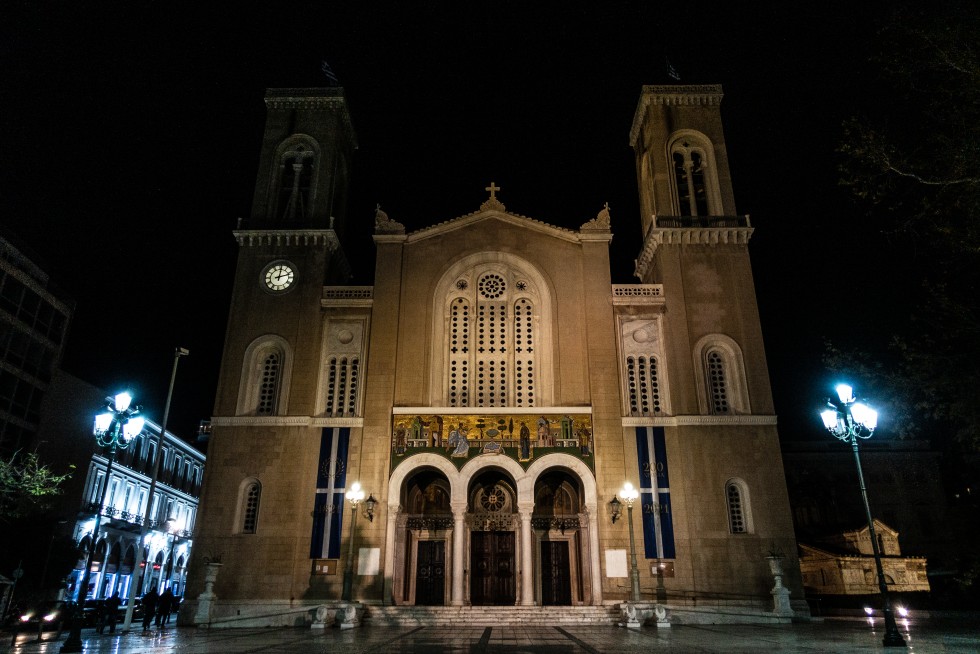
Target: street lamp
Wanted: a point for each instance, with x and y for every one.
(629, 495)
(354, 496)
(115, 429)
(174, 528)
(850, 420)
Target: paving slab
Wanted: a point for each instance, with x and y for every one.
(960, 636)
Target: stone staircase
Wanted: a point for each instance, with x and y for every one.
(489, 616)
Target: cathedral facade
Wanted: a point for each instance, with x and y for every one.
(491, 393)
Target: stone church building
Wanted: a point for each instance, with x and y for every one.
(491, 393)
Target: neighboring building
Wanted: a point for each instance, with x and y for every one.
(66, 436)
(34, 319)
(492, 392)
(904, 485)
(844, 564)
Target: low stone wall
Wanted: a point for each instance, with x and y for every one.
(271, 613)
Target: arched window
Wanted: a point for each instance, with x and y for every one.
(737, 498)
(250, 507)
(492, 320)
(722, 387)
(265, 377)
(492, 343)
(294, 180)
(694, 177)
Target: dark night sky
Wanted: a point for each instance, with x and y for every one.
(131, 131)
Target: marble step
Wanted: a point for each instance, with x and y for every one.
(479, 616)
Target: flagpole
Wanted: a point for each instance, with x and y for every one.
(130, 602)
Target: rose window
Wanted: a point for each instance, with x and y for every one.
(492, 286)
(493, 499)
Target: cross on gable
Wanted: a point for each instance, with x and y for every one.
(493, 190)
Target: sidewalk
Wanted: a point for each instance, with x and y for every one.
(927, 637)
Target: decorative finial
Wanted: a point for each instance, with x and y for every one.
(602, 221)
(385, 225)
(493, 203)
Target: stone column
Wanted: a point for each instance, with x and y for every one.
(459, 538)
(527, 556)
(389, 569)
(593, 513)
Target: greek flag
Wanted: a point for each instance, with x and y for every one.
(329, 74)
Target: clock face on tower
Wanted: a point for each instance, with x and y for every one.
(278, 276)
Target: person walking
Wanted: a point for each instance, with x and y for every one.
(164, 606)
(112, 612)
(99, 616)
(149, 608)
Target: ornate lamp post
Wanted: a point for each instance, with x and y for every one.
(629, 495)
(850, 420)
(354, 496)
(114, 429)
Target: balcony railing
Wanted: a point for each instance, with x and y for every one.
(682, 222)
(132, 518)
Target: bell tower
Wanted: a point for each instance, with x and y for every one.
(305, 162)
(289, 249)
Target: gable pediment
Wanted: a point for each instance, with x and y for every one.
(471, 220)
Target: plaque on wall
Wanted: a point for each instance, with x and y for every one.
(324, 566)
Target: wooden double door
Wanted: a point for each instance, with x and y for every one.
(430, 573)
(492, 577)
(556, 582)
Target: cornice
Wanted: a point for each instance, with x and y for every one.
(330, 99)
(287, 237)
(710, 236)
(389, 238)
(673, 95)
(697, 421)
(488, 411)
(284, 421)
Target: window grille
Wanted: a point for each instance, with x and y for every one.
(251, 509)
(269, 386)
(736, 517)
(717, 383)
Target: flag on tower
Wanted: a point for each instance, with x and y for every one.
(329, 74)
(671, 71)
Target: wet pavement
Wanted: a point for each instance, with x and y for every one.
(854, 635)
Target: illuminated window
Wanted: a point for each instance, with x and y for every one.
(492, 343)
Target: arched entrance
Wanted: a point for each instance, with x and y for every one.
(427, 520)
(492, 507)
(557, 524)
(491, 551)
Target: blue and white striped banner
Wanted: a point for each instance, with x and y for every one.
(328, 505)
(658, 519)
